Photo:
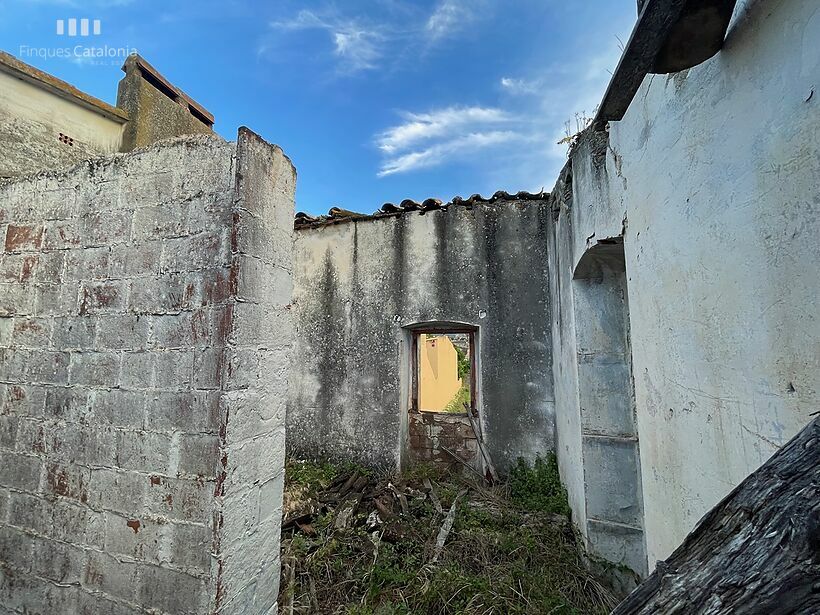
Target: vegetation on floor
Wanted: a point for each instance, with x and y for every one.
(359, 544)
(538, 487)
(462, 396)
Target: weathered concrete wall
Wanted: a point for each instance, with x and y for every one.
(358, 284)
(130, 426)
(598, 448)
(711, 177)
(47, 124)
(153, 113)
(564, 354)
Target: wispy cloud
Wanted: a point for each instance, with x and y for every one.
(356, 45)
(430, 139)
(444, 152)
(392, 34)
(448, 16)
(419, 127)
(519, 86)
(523, 148)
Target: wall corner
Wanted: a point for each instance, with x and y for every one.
(258, 332)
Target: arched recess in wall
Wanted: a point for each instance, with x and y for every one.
(436, 431)
(609, 436)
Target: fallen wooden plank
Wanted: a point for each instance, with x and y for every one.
(349, 484)
(405, 509)
(444, 532)
(346, 510)
(460, 460)
(433, 497)
(484, 452)
(757, 551)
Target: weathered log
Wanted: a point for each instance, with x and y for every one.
(757, 551)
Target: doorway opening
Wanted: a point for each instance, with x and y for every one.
(443, 419)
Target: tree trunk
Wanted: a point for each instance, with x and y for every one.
(757, 551)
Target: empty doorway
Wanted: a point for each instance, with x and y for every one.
(443, 410)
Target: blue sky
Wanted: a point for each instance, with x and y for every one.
(374, 101)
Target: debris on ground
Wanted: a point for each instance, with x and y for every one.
(357, 543)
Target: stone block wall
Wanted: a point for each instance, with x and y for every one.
(255, 382)
(430, 433)
(123, 486)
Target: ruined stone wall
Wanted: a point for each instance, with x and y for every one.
(358, 285)
(598, 444)
(711, 180)
(430, 433)
(131, 422)
(255, 371)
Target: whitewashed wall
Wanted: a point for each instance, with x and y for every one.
(714, 173)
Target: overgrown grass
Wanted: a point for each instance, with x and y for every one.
(316, 476)
(462, 396)
(509, 551)
(539, 487)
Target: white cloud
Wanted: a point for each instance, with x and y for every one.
(443, 152)
(425, 140)
(518, 141)
(394, 33)
(356, 45)
(519, 86)
(450, 16)
(358, 48)
(423, 126)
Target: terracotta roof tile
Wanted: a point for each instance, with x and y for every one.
(338, 215)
